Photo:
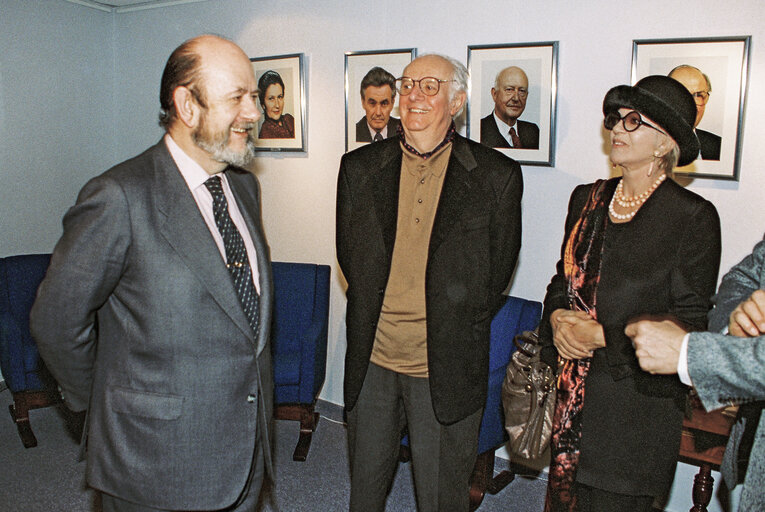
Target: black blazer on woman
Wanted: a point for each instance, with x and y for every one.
(663, 262)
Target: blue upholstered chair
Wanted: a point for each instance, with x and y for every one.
(23, 370)
(299, 344)
(517, 315)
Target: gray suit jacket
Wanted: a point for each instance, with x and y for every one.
(139, 322)
(727, 370)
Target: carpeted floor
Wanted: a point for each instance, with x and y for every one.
(48, 478)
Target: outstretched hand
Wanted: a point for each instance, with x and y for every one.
(657, 344)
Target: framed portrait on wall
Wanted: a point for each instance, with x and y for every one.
(715, 70)
(371, 112)
(281, 98)
(513, 93)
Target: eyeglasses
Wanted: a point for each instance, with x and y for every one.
(631, 121)
(701, 97)
(428, 85)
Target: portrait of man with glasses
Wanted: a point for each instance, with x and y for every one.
(700, 87)
(428, 233)
(502, 128)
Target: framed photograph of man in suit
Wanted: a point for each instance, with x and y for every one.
(513, 93)
(715, 71)
(371, 106)
(281, 98)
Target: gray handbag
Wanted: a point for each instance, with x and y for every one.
(528, 397)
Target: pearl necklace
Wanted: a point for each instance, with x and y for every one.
(631, 202)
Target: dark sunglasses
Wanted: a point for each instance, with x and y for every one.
(631, 121)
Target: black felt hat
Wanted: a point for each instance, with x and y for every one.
(668, 103)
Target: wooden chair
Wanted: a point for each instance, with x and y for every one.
(23, 370)
(299, 344)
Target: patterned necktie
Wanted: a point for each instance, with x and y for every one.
(514, 137)
(236, 255)
(378, 137)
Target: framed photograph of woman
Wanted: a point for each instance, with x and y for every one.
(281, 98)
(715, 71)
(371, 111)
(513, 93)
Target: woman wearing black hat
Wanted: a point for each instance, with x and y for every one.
(276, 124)
(635, 245)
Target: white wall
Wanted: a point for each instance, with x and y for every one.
(56, 113)
(99, 106)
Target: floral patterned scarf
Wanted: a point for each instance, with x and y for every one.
(581, 262)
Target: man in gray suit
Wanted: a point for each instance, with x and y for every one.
(156, 321)
(724, 370)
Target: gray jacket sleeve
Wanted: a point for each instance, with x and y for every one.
(737, 285)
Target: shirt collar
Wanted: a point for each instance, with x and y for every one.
(504, 128)
(373, 132)
(447, 139)
(191, 171)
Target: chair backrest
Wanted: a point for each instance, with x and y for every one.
(517, 315)
(20, 277)
(300, 289)
(301, 316)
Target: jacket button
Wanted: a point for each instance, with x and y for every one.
(252, 398)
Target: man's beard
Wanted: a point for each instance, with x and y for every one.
(217, 145)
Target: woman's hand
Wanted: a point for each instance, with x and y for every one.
(576, 334)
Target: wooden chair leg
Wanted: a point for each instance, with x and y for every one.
(308, 419)
(23, 402)
(703, 484)
(483, 479)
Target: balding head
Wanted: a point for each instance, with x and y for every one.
(510, 92)
(697, 84)
(208, 97)
(184, 69)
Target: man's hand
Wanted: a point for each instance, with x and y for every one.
(576, 334)
(748, 319)
(657, 344)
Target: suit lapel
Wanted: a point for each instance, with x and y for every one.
(456, 186)
(385, 189)
(185, 230)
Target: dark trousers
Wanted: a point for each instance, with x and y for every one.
(247, 502)
(592, 499)
(442, 455)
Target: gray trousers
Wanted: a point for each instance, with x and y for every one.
(442, 455)
(247, 502)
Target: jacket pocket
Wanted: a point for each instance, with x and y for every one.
(144, 404)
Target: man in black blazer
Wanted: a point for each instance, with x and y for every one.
(428, 233)
(378, 94)
(139, 318)
(700, 87)
(502, 128)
